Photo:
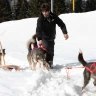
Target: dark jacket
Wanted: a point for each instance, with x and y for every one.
(46, 27)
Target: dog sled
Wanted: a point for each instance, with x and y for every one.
(3, 64)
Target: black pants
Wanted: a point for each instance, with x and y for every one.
(49, 45)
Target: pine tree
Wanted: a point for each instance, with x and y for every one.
(83, 6)
(68, 6)
(91, 5)
(33, 9)
(22, 9)
(78, 6)
(59, 7)
(5, 11)
(13, 8)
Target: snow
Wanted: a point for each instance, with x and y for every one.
(14, 36)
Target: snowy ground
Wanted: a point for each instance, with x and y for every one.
(14, 35)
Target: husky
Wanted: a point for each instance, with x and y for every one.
(36, 55)
(89, 71)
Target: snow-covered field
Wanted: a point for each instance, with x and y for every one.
(14, 36)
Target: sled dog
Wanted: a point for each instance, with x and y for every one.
(89, 71)
(36, 55)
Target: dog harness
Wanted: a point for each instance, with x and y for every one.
(92, 68)
(42, 47)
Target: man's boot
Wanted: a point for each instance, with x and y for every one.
(49, 59)
(51, 64)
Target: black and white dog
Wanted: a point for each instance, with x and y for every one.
(89, 71)
(36, 55)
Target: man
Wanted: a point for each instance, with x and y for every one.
(46, 30)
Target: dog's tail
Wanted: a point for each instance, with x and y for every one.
(32, 41)
(81, 59)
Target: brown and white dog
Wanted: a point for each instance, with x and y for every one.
(89, 71)
(36, 55)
